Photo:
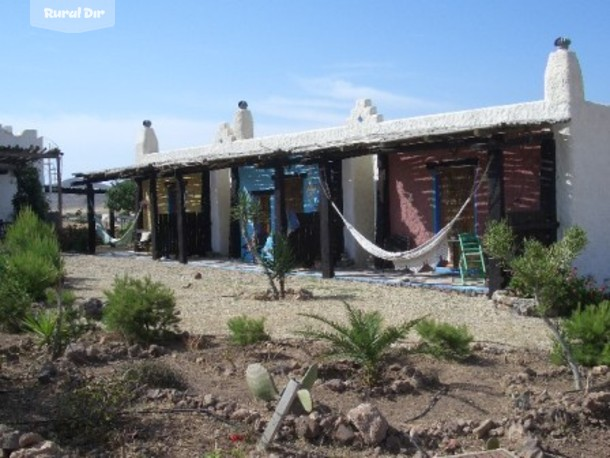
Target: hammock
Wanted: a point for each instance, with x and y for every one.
(428, 253)
(107, 239)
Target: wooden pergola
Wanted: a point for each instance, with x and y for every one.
(491, 140)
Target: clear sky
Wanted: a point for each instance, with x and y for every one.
(300, 64)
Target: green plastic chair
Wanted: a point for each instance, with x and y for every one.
(472, 261)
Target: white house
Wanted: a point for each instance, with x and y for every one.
(577, 130)
(27, 140)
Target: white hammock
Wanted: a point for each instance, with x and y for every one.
(428, 253)
(107, 239)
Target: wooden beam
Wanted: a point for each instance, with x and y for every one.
(325, 209)
(496, 212)
(181, 219)
(382, 216)
(281, 221)
(154, 216)
(139, 199)
(91, 236)
(234, 232)
(206, 211)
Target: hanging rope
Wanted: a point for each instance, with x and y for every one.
(428, 252)
(107, 239)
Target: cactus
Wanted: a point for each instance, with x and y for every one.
(260, 383)
(262, 387)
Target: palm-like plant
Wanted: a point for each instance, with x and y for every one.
(363, 339)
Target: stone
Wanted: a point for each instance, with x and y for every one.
(156, 350)
(307, 427)
(93, 309)
(483, 429)
(336, 385)
(401, 387)
(599, 370)
(76, 353)
(343, 434)
(47, 372)
(30, 439)
(134, 350)
(10, 440)
(369, 421)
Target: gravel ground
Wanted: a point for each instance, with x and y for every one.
(206, 304)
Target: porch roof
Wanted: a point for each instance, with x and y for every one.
(15, 155)
(408, 134)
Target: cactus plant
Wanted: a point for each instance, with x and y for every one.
(262, 386)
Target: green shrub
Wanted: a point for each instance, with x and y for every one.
(154, 374)
(74, 238)
(89, 414)
(141, 310)
(363, 339)
(588, 334)
(35, 273)
(31, 258)
(443, 340)
(246, 331)
(15, 303)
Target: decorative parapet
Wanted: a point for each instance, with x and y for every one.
(243, 124)
(224, 134)
(563, 81)
(26, 139)
(364, 113)
(147, 141)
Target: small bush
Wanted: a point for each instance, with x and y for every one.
(363, 340)
(444, 340)
(74, 238)
(141, 310)
(89, 414)
(246, 331)
(588, 334)
(154, 374)
(15, 304)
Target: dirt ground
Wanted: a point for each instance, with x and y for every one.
(434, 408)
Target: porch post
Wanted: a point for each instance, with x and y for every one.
(548, 188)
(326, 252)
(91, 237)
(139, 223)
(382, 206)
(111, 222)
(495, 180)
(234, 233)
(206, 215)
(154, 216)
(281, 221)
(181, 218)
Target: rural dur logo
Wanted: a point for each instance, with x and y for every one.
(72, 16)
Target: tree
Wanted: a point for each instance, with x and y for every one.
(539, 271)
(121, 197)
(280, 261)
(29, 192)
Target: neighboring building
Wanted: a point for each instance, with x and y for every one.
(14, 150)
(546, 161)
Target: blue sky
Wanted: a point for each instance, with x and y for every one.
(300, 64)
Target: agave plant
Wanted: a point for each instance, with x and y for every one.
(363, 339)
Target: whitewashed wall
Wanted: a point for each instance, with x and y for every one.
(8, 183)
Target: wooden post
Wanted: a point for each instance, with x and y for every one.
(206, 209)
(281, 222)
(548, 186)
(290, 393)
(382, 216)
(234, 229)
(495, 180)
(60, 205)
(111, 222)
(154, 216)
(326, 252)
(91, 218)
(181, 218)
(139, 222)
